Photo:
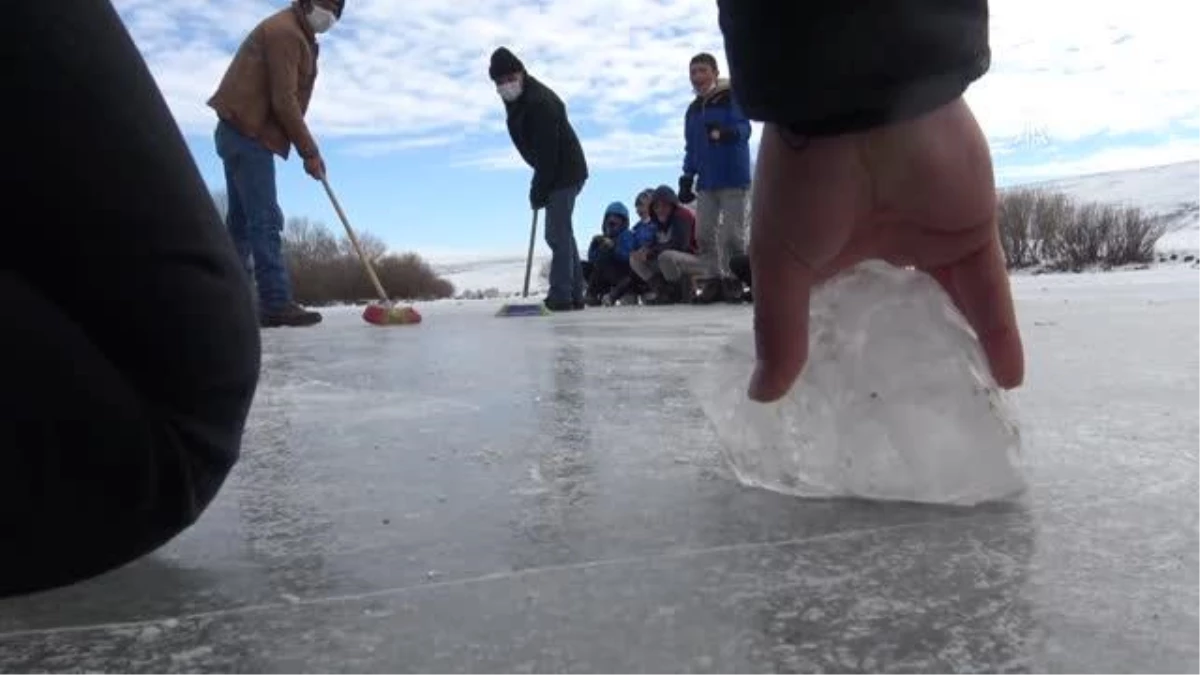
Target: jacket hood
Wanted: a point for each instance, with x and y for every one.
(614, 209)
(618, 209)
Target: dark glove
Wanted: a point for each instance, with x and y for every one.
(537, 198)
(686, 196)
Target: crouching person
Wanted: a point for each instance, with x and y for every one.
(669, 262)
(608, 256)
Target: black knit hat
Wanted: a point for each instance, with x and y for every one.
(504, 63)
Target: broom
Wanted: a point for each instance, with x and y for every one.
(384, 312)
(526, 309)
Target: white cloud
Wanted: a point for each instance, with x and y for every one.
(402, 75)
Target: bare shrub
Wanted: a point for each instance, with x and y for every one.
(1049, 230)
(1017, 224)
(1133, 238)
(1082, 241)
(325, 269)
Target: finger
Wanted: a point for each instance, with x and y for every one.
(979, 286)
(782, 284)
(805, 204)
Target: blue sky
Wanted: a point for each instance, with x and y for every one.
(417, 152)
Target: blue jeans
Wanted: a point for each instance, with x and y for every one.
(255, 220)
(566, 271)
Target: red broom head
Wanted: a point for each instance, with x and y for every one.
(381, 315)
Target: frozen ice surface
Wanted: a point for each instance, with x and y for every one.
(481, 494)
(896, 402)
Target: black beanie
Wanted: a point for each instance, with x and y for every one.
(504, 63)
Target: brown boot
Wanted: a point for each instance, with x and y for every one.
(290, 314)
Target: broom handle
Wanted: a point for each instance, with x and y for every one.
(529, 257)
(354, 240)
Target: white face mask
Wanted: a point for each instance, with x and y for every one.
(509, 91)
(321, 19)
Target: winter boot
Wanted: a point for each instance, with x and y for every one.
(708, 291)
(733, 291)
(662, 292)
(290, 314)
(556, 305)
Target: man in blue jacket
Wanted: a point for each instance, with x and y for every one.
(542, 133)
(717, 147)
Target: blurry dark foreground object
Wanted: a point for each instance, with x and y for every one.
(131, 353)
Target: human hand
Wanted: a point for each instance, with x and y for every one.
(686, 183)
(537, 200)
(315, 167)
(919, 193)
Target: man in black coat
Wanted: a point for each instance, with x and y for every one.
(541, 132)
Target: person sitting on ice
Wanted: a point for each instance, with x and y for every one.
(668, 263)
(643, 230)
(643, 233)
(608, 255)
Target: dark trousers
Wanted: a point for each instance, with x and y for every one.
(607, 272)
(566, 272)
(740, 266)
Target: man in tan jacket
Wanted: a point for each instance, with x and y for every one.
(260, 106)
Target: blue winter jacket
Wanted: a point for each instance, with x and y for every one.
(720, 164)
(622, 237)
(643, 233)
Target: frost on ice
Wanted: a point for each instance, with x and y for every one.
(896, 401)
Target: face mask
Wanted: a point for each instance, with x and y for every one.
(321, 19)
(509, 91)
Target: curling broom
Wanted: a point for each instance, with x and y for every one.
(384, 312)
(526, 309)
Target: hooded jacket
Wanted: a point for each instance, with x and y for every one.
(722, 164)
(678, 231)
(623, 238)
